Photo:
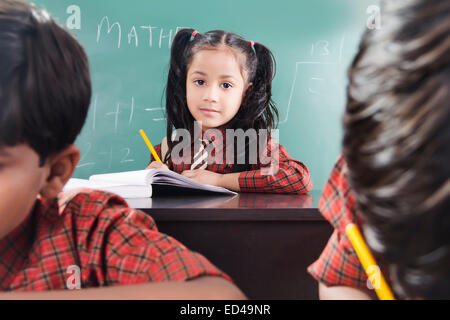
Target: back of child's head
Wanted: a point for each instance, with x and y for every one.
(257, 64)
(397, 143)
(45, 87)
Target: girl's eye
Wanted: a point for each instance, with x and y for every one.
(226, 85)
(199, 82)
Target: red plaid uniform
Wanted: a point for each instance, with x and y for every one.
(96, 231)
(291, 177)
(338, 264)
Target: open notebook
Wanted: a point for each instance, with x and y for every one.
(144, 184)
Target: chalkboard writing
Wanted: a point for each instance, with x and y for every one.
(128, 44)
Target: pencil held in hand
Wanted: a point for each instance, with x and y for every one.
(368, 262)
(149, 145)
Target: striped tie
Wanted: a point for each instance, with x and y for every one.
(199, 160)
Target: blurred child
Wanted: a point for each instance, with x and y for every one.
(393, 179)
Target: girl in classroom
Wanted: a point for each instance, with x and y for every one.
(218, 93)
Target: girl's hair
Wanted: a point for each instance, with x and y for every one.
(397, 143)
(257, 110)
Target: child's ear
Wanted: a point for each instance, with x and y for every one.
(248, 88)
(61, 168)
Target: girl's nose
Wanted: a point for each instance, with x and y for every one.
(211, 94)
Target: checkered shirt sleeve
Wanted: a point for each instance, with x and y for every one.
(288, 176)
(338, 263)
(127, 247)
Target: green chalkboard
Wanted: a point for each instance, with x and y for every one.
(128, 44)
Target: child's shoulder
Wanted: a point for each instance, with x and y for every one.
(87, 201)
(88, 208)
(87, 196)
(338, 201)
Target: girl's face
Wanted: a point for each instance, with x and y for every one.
(215, 87)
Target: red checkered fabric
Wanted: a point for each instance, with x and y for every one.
(338, 264)
(291, 177)
(97, 232)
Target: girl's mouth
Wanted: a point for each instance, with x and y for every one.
(207, 111)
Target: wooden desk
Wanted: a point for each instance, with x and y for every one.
(264, 242)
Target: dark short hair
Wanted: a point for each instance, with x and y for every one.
(397, 143)
(45, 88)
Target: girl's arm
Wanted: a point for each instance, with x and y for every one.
(289, 175)
(229, 180)
(206, 287)
(344, 293)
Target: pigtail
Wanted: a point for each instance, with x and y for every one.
(258, 105)
(177, 113)
(257, 110)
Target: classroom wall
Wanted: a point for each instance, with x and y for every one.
(128, 44)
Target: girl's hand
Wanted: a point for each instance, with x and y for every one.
(157, 165)
(204, 176)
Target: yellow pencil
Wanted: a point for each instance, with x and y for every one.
(144, 136)
(368, 262)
